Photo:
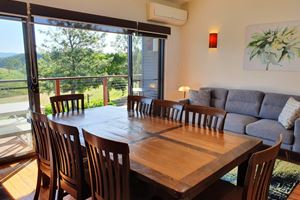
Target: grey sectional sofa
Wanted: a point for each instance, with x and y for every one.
(255, 113)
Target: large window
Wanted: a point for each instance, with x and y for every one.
(15, 129)
(83, 58)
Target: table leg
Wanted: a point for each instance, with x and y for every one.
(242, 170)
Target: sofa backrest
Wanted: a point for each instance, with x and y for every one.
(218, 97)
(246, 102)
(273, 104)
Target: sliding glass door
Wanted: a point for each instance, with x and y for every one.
(146, 66)
(15, 128)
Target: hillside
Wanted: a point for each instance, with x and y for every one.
(7, 54)
(15, 62)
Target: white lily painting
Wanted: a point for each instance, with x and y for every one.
(273, 47)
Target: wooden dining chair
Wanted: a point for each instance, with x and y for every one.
(45, 159)
(203, 116)
(257, 180)
(66, 103)
(67, 148)
(170, 110)
(139, 104)
(108, 167)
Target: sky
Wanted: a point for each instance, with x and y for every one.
(11, 37)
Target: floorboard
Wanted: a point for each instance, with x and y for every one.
(18, 181)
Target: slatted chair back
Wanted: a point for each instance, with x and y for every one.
(41, 133)
(45, 157)
(139, 104)
(170, 110)
(207, 117)
(108, 167)
(65, 141)
(259, 173)
(66, 103)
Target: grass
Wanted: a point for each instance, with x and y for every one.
(6, 74)
(94, 94)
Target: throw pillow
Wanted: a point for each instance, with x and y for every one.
(289, 113)
(200, 97)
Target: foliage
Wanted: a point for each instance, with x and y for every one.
(15, 62)
(76, 52)
(92, 104)
(121, 45)
(273, 47)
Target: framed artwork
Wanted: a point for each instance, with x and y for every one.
(274, 46)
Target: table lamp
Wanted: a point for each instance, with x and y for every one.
(184, 89)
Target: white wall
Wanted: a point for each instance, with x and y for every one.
(131, 10)
(224, 67)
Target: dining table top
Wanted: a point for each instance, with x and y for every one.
(181, 159)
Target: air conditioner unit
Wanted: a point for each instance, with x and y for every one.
(166, 14)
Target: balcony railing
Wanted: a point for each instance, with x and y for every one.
(57, 83)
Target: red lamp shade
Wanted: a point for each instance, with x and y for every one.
(213, 40)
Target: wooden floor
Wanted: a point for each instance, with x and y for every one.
(18, 181)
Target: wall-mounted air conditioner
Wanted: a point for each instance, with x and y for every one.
(165, 14)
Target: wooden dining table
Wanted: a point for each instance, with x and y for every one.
(179, 159)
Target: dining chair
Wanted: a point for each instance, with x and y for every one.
(67, 148)
(203, 116)
(139, 104)
(45, 159)
(170, 110)
(108, 163)
(257, 180)
(66, 103)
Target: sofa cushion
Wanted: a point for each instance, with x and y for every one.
(237, 123)
(289, 114)
(246, 102)
(270, 130)
(218, 97)
(273, 104)
(200, 97)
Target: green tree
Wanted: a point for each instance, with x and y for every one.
(71, 52)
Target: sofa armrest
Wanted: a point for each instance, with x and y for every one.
(184, 101)
(296, 146)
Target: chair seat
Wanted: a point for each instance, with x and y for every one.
(221, 190)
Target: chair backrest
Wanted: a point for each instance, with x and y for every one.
(66, 144)
(66, 103)
(108, 166)
(139, 104)
(259, 173)
(205, 116)
(170, 110)
(41, 135)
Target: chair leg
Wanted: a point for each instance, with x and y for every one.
(52, 188)
(45, 180)
(60, 193)
(38, 185)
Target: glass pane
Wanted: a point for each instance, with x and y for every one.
(72, 60)
(145, 58)
(15, 128)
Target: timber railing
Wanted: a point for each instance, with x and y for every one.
(57, 83)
